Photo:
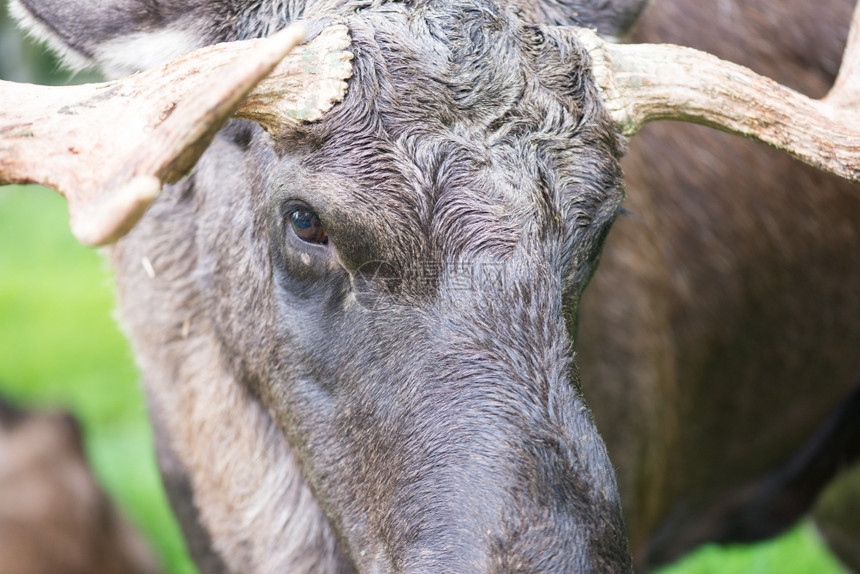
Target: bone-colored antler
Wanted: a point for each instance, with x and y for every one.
(644, 82)
(845, 93)
(109, 148)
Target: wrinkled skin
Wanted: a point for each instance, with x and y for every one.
(402, 398)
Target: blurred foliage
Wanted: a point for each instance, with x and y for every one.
(799, 551)
(59, 347)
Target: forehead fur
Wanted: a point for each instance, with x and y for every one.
(477, 128)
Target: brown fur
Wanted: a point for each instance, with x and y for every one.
(722, 324)
(54, 517)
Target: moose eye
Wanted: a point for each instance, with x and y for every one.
(307, 227)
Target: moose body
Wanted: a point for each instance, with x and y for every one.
(356, 336)
(722, 324)
(54, 517)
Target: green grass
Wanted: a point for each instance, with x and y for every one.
(798, 552)
(59, 346)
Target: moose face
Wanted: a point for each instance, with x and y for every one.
(401, 308)
(392, 285)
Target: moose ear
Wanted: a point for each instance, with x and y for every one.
(120, 36)
(611, 18)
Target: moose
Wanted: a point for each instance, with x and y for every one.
(362, 320)
(55, 519)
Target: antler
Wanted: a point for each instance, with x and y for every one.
(645, 82)
(109, 148)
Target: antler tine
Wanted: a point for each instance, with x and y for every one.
(845, 92)
(640, 83)
(109, 148)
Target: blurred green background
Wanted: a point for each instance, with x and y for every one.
(60, 348)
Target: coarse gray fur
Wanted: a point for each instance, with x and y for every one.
(404, 398)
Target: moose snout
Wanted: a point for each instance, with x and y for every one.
(499, 467)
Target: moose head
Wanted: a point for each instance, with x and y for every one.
(355, 324)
